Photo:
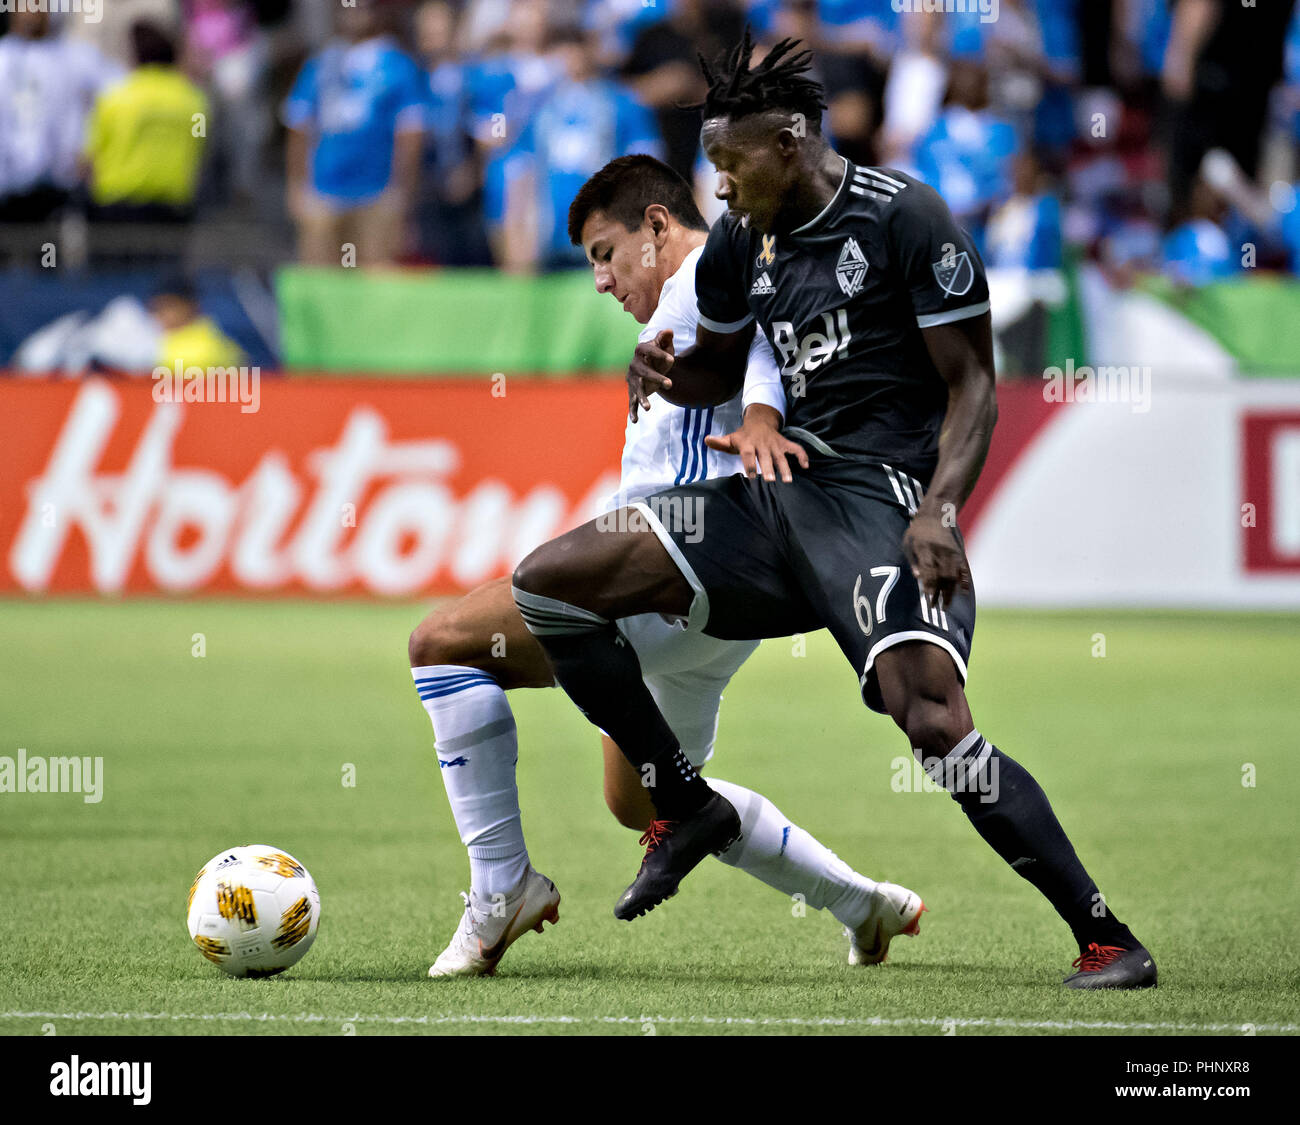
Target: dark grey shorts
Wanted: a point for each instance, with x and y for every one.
(825, 551)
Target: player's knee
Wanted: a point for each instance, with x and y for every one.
(436, 640)
(536, 573)
(932, 727)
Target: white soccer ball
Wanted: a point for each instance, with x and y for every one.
(253, 911)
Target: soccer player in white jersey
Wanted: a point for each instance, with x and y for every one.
(640, 228)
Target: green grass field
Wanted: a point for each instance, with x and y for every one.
(1142, 752)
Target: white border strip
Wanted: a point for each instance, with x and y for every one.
(723, 329)
(911, 635)
(869, 170)
(698, 615)
(933, 320)
(707, 1021)
(813, 440)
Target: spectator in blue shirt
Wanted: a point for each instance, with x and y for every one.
(615, 23)
(1025, 232)
(504, 89)
(1198, 251)
(855, 43)
(450, 209)
(966, 156)
(1148, 30)
(663, 72)
(582, 124)
(356, 119)
(1288, 94)
(1289, 227)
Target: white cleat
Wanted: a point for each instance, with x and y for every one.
(488, 929)
(895, 910)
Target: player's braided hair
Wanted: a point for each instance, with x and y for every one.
(780, 81)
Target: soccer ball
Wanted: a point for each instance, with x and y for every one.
(253, 911)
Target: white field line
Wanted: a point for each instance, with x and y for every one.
(942, 1022)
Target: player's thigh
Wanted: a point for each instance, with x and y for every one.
(721, 534)
(614, 566)
(482, 630)
(847, 545)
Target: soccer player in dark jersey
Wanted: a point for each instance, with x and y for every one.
(876, 305)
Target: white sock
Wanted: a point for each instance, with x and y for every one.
(477, 750)
(784, 856)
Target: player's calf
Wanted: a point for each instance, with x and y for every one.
(569, 592)
(463, 658)
(625, 797)
(1009, 809)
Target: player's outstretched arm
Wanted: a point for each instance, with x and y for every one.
(760, 444)
(710, 373)
(963, 353)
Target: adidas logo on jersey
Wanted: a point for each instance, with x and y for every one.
(762, 286)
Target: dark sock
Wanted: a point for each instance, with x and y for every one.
(1011, 811)
(599, 670)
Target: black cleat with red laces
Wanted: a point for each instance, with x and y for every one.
(673, 848)
(1112, 966)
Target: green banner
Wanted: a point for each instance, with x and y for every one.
(1255, 318)
(479, 322)
(449, 322)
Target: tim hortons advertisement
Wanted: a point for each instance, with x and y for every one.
(328, 487)
(1185, 494)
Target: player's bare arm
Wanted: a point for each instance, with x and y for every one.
(963, 354)
(710, 373)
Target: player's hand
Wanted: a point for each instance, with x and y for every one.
(648, 371)
(938, 557)
(760, 445)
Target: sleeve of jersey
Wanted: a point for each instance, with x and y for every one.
(720, 283)
(763, 377)
(938, 260)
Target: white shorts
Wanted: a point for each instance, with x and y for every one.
(685, 672)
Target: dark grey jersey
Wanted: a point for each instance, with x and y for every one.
(843, 300)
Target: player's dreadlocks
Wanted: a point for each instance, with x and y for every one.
(780, 81)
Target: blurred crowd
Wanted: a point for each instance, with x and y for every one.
(1148, 135)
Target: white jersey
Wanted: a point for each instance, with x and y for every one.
(665, 447)
(49, 86)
